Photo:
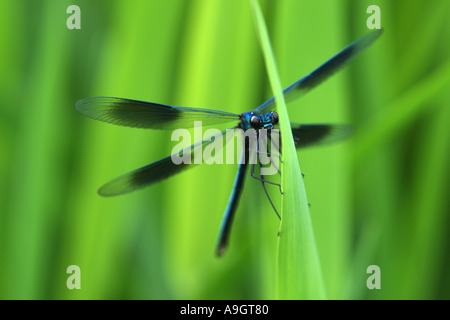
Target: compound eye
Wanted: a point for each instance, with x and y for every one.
(274, 118)
(254, 121)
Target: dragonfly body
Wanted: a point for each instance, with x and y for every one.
(141, 114)
(258, 121)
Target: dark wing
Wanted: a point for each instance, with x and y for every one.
(161, 169)
(328, 68)
(141, 114)
(306, 135)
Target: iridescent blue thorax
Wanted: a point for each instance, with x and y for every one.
(251, 120)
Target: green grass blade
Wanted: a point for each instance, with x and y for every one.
(299, 275)
(401, 112)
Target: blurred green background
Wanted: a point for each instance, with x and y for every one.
(380, 198)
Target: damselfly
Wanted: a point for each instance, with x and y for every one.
(140, 114)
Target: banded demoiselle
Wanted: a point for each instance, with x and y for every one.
(141, 114)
